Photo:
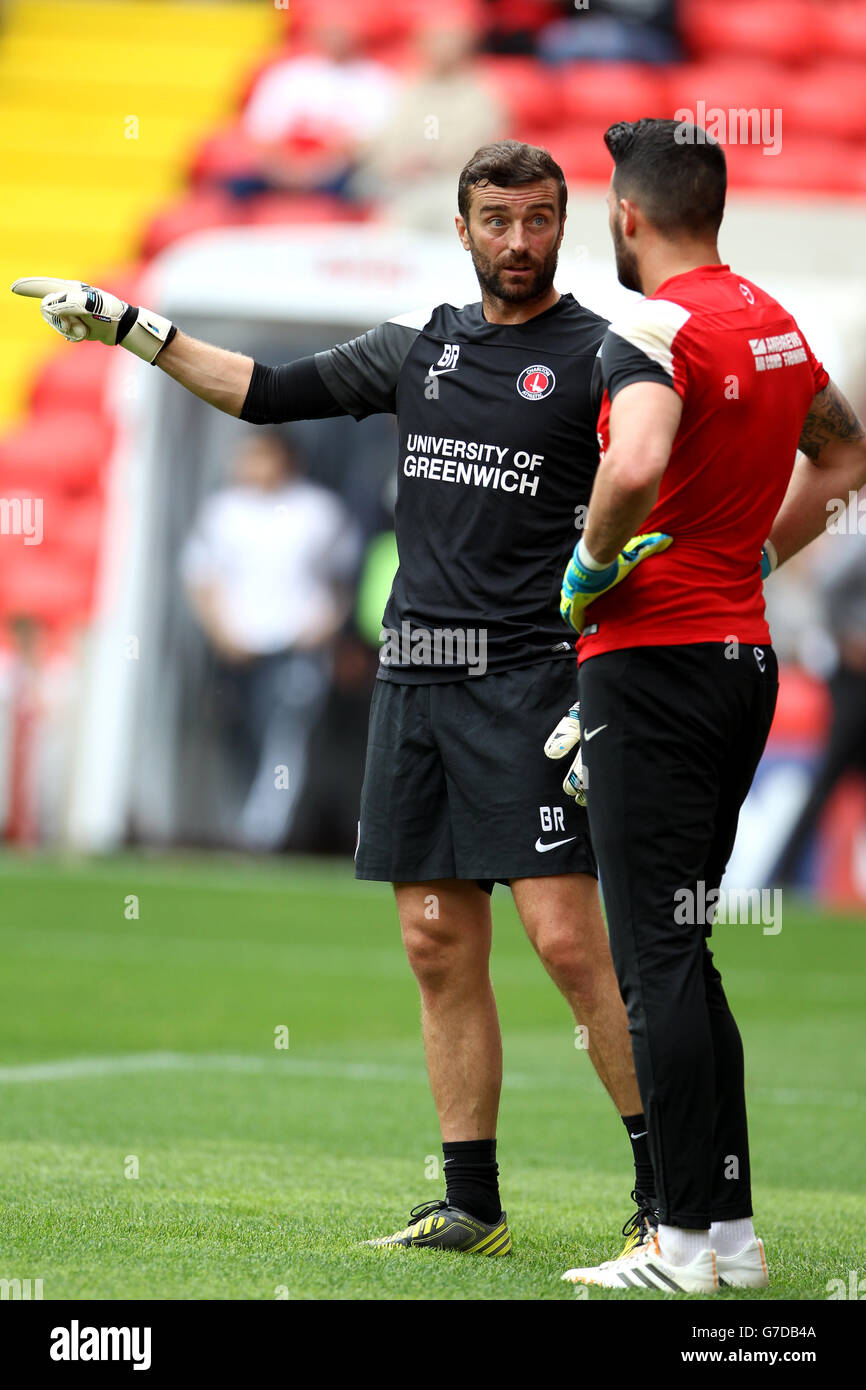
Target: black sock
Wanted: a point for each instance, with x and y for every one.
(644, 1182)
(472, 1178)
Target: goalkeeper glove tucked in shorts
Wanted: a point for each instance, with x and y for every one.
(584, 581)
(80, 313)
(564, 738)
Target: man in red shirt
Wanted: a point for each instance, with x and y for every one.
(710, 389)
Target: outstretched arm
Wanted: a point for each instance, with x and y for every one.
(831, 465)
(215, 375)
(357, 378)
(83, 313)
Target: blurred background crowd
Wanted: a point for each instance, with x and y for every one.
(174, 124)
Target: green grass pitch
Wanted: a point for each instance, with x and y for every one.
(146, 1045)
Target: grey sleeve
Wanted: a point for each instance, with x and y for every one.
(624, 363)
(362, 374)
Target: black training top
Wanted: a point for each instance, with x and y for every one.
(498, 451)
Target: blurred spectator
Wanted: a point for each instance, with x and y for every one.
(443, 113)
(310, 115)
(38, 693)
(844, 597)
(22, 690)
(267, 569)
(511, 26)
(615, 31)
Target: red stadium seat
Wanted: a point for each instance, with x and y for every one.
(841, 32)
(195, 213)
(71, 529)
(399, 54)
(33, 516)
(82, 521)
(783, 30)
(64, 450)
(581, 152)
(803, 710)
(528, 91)
(225, 154)
(72, 380)
(827, 101)
(855, 171)
(609, 92)
(840, 840)
(725, 86)
(53, 581)
(47, 585)
(208, 208)
(509, 15)
(803, 165)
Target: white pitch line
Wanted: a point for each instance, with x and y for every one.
(82, 1068)
(129, 1064)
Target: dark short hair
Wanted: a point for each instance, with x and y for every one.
(674, 170)
(509, 164)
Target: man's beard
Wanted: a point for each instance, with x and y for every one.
(626, 261)
(491, 276)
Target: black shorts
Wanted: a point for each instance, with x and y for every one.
(457, 784)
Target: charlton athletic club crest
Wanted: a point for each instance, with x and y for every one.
(534, 383)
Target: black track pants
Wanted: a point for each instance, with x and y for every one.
(671, 738)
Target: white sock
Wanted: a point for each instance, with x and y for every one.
(680, 1246)
(730, 1237)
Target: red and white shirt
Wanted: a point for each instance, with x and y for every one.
(747, 379)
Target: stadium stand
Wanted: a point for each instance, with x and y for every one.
(133, 127)
(131, 124)
(808, 56)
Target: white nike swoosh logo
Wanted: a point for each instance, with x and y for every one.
(591, 733)
(638, 1136)
(542, 848)
(441, 371)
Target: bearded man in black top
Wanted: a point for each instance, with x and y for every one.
(497, 404)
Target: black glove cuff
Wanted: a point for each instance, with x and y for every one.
(172, 333)
(126, 321)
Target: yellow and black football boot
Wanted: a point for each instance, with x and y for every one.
(436, 1226)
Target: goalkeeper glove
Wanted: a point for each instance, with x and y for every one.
(583, 582)
(79, 312)
(563, 739)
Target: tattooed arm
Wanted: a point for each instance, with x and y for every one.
(831, 464)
